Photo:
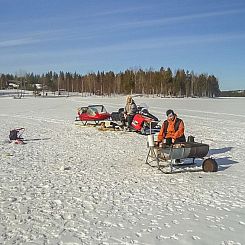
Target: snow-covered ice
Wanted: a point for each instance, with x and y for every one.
(78, 185)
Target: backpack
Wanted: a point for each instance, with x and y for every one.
(13, 134)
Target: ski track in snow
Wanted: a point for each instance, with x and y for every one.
(78, 185)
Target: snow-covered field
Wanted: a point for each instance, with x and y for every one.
(74, 185)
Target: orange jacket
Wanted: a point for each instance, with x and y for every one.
(170, 131)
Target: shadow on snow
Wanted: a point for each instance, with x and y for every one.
(223, 162)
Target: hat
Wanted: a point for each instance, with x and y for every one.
(169, 112)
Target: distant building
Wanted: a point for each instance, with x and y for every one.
(61, 91)
(38, 85)
(12, 84)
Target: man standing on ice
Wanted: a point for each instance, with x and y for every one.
(172, 129)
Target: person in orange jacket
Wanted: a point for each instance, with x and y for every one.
(172, 129)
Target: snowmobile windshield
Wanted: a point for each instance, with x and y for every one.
(144, 111)
(97, 108)
(143, 105)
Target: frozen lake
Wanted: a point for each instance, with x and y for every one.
(73, 185)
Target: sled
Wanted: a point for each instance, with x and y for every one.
(174, 157)
(92, 114)
(15, 135)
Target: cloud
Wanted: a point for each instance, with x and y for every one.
(155, 43)
(134, 45)
(75, 33)
(174, 19)
(119, 11)
(31, 38)
(16, 42)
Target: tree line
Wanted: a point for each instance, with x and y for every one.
(233, 93)
(162, 82)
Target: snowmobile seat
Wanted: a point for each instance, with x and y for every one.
(115, 116)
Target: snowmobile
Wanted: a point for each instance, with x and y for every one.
(143, 122)
(92, 113)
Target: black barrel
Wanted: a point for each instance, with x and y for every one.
(198, 150)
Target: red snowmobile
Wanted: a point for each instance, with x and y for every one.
(143, 122)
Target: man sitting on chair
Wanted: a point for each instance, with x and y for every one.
(172, 129)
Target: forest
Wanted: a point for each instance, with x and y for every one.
(162, 82)
(233, 93)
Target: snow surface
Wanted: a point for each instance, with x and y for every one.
(79, 185)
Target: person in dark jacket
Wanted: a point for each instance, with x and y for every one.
(172, 129)
(130, 110)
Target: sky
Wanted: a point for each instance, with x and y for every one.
(204, 36)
